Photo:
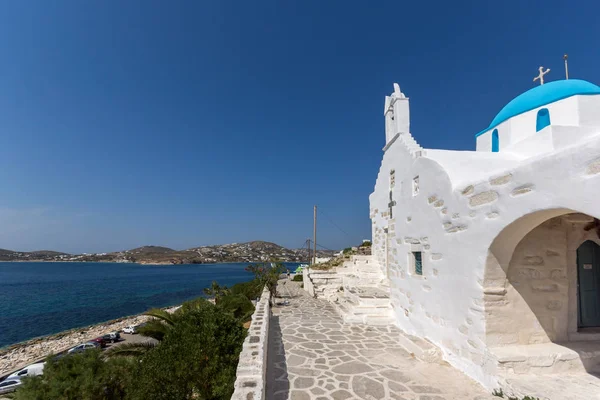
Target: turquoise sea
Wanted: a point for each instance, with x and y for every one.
(38, 299)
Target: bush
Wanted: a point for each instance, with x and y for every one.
(251, 289)
(366, 244)
(347, 250)
(238, 305)
(298, 278)
(80, 376)
(197, 359)
(267, 274)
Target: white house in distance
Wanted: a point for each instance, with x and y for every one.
(493, 255)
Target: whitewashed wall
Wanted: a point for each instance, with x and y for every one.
(454, 222)
(251, 372)
(573, 111)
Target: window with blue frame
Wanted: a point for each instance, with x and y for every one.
(418, 262)
(543, 119)
(495, 141)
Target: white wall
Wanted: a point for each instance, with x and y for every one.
(564, 112)
(454, 225)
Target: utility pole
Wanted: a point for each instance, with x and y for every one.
(315, 237)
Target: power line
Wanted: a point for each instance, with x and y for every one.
(334, 224)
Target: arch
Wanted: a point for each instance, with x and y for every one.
(530, 278)
(542, 120)
(495, 141)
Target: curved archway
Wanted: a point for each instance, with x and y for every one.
(530, 279)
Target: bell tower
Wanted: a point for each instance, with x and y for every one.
(397, 114)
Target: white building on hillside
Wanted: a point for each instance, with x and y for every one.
(493, 255)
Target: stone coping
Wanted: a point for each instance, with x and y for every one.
(250, 383)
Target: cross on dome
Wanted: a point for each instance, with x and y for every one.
(541, 75)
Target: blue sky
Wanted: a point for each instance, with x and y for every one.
(190, 123)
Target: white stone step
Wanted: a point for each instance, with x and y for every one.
(420, 348)
(378, 320)
(546, 358)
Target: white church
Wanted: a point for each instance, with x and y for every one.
(492, 256)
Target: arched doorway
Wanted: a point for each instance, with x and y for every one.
(531, 279)
(588, 284)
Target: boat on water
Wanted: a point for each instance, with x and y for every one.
(300, 268)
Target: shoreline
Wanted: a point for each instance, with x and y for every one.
(143, 263)
(18, 355)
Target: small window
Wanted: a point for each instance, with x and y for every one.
(415, 185)
(495, 141)
(543, 119)
(418, 262)
(24, 372)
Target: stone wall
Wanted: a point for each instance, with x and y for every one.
(323, 284)
(251, 381)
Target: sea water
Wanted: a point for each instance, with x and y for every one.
(41, 298)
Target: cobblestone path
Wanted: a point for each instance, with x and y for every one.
(314, 355)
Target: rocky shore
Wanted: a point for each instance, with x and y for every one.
(22, 354)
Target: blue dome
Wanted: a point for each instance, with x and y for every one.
(542, 95)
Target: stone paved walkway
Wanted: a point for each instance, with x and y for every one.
(314, 355)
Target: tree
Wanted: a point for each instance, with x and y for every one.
(217, 291)
(267, 274)
(197, 358)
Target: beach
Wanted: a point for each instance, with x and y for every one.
(20, 355)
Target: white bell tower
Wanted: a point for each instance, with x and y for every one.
(397, 114)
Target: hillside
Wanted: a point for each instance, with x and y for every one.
(254, 251)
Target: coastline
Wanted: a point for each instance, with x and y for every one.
(19, 355)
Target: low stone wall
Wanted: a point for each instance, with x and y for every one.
(324, 284)
(250, 383)
(308, 284)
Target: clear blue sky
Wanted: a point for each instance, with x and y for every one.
(185, 123)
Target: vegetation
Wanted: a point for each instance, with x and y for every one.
(298, 278)
(80, 376)
(197, 359)
(251, 289)
(366, 243)
(347, 250)
(267, 274)
(195, 355)
(500, 393)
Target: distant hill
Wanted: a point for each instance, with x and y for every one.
(48, 253)
(250, 252)
(37, 255)
(150, 250)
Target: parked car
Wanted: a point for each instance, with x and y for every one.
(9, 385)
(101, 341)
(83, 347)
(131, 329)
(112, 337)
(30, 370)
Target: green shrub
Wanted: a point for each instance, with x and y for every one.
(197, 359)
(251, 289)
(298, 278)
(80, 376)
(238, 305)
(347, 250)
